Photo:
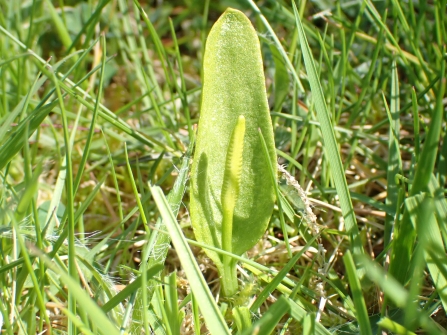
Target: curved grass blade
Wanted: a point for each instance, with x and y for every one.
(213, 318)
(330, 142)
(82, 297)
(268, 322)
(129, 289)
(357, 295)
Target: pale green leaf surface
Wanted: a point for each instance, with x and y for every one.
(233, 86)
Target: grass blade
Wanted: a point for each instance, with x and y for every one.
(394, 160)
(357, 295)
(106, 328)
(129, 289)
(329, 140)
(213, 318)
(404, 242)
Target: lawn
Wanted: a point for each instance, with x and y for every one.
(112, 223)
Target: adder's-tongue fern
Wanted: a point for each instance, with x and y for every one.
(232, 194)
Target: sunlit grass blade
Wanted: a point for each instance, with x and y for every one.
(394, 160)
(278, 44)
(309, 324)
(330, 142)
(70, 206)
(267, 323)
(299, 314)
(387, 284)
(422, 211)
(279, 277)
(210, 311)
(107, 328)
(129, 289)
(268, 162)
(440, 201)
(357, 295)
(242, 318)
(134, 188)
(393, 326)
(4, 321)
(60, 25)
(404, 242)
(92, 127)
(171, 304)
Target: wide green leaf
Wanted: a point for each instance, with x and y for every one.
(233, 86)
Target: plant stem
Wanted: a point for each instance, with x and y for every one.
(229, 277)
(230, 192)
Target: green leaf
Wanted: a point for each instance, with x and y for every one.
(233, 87)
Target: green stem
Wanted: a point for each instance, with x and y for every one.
(229, 277)
(229, 195)
(227, 233)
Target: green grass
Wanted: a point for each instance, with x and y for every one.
(98, 106)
